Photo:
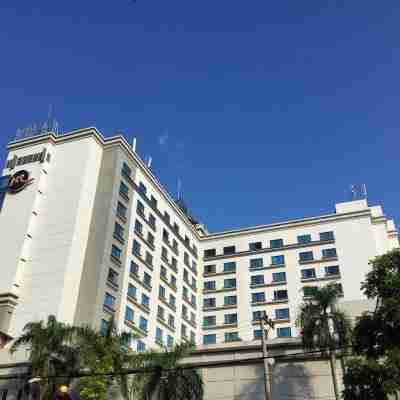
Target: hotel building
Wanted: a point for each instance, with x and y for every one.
(88, 232)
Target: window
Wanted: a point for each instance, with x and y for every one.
(194, 267)
(134, 268)
(141, 346)
(163, 272)
(136, 248)
(159, 334)
(165, 235)
(257, 334)
(209, 303)
(140, 208)
(210, 253)
(121, 210)
(210, 269)
(193, 300)
(279, 277)
(173, 280)
(149, 258)
(255, 246)
(306, 256)
(119, 231)
(138, 227)
(115, 252)
(284, 332)
(112, 276)
(172, 300)
(229, 250)
(183, 331)
(276, 243)
(194, 283)
(170, 341)
(126, 170)
(185, 292)
(153, 201)
(176, 227)
(175, 244)
(103, 327)
(230, 300)
(150, 239)
(145, 300)
(160, 312)
(132, 291)
(257, 280)
(332, 270)
(185, 275)
(258, 297)
(167, 217)
(230, 319)
(143, 324)
(328, 253)
(257, 315)
(192, 337)
(256, 263)
(129, 314)
(164, 253)
(186, 259)
(209, 321)
(326, 236)
(161, 292)
(278, 260)
(308, 273)
(184, 312)
(231, 336)
(209, 285)
(123, 189)
(304, 239)
(142, 189)
(230, 266)
(147, 279)
(193, 317)
(280, 295)
(109, 301)
(187, 240)
(309, 291)
(195, 250)
(174, 262)
(282, 313)
(229, 283)
(210, 339)
(152, 221)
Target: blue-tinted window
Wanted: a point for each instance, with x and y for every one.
(159, 334)
(230, 266)
(126, 170)
(257, 334)
(138, 227)
(230, 300)
(326, 236)
(207, 303)
(308, 273)
(282, 313)
(259, 314)
(129, 314)
(104, 327)
(231, 336)
(152, 221)
(306, 256)
(134, 268)
(209, 320)
(284, 332)
(327, 253)
(209, 285)
(145, 300)
(132, 291)
(229, 283)
(171, 320)
(109, 300)
(276, 243)
(123, 189)
(256, 263)
(170, 341)
(136, 248)
(193, 300)
(121, 210)
(279, 277)
(257, 279)
(141, 346)
(210, 339)
(119, 231)
(161, 292)
(115, 252)
(143, 324)
(172, 300)
(258, 297)
(255, 246)
(142, 189)
(332, 270)
(230, 318)
(304, 239)
(280, 295)
(278, 260)
(147, 279)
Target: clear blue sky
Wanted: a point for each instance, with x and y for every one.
(267, 110)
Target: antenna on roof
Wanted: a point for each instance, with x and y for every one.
(358, 191)
(149, 162)
(134, 145)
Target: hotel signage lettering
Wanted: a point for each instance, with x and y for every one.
(14, 184)
(31, 158)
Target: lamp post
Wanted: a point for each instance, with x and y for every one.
(267, 373)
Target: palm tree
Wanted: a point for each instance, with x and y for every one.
(168, 379)
(50, 346)
(323, 327)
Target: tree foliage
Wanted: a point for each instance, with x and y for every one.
(375, 373)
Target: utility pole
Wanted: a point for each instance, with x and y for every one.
(267, 373)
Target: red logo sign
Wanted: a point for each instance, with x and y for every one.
(19, 181)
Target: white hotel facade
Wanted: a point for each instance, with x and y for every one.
(95, 235)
